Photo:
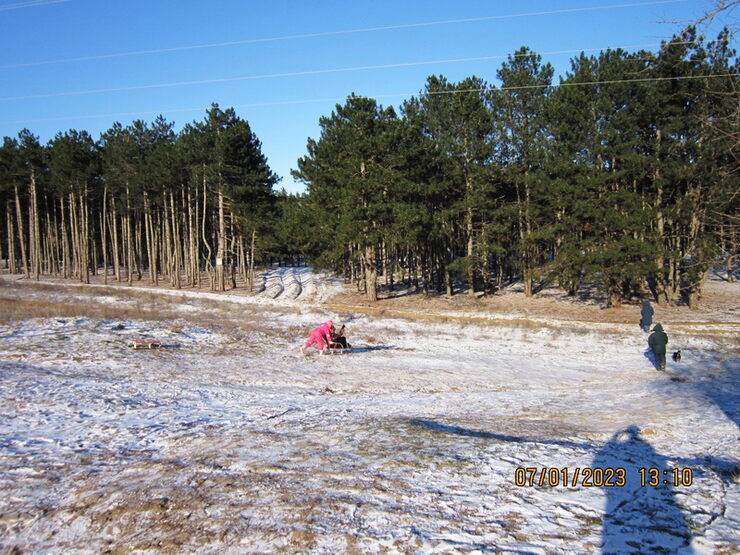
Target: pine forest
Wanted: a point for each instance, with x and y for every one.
(623, 175)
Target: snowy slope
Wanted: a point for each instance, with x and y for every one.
(229, 441)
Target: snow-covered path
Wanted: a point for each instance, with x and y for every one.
(229, 441)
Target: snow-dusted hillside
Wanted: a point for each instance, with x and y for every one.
(229, 441)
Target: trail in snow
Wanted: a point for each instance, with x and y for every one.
(299, 283)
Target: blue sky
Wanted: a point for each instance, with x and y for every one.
(84, 64)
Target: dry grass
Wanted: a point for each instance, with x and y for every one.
(60, 301)
(717, 305)
(12, 310)
(23, 298)
(66, 302)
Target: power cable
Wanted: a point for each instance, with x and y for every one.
(308, 72)
(31, 4)
(330, 33)
(584, 83)
(392, 95)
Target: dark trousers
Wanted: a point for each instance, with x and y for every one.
(660, 360)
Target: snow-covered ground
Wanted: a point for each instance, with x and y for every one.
(227, 440)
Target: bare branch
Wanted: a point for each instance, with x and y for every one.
(719, 7)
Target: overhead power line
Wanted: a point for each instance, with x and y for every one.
(330, 33)
(30, 4)
(308, 72)
(392, 95)
(583, 83)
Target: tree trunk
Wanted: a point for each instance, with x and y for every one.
(528, 255)
(11, 239)
(156, 261)
(175, 244)
(116, 247)
(21, 236)
(129, 241)
(524, 249)
(193, 238)
(35, 229)
(658, 282)
(614, 298)
(220, 251)
(243, 266)
(694, 291)
(209, 252)
(74, 229)
(150, 244)
(167, 240)
(85, 229)
(196, 235)
(138, 250)
(251, 260)
(730, 268)
(469, 252)
(103, 235)
(371, 273)
(49, 241)
(231, 252)
(448, 256)
(695, 273)
(66, 254)
(232, 263)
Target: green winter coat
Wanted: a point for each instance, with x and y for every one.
(647, 315)
(658, 340)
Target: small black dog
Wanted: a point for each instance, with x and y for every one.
(677, 356)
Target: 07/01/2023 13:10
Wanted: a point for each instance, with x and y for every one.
(599, 477)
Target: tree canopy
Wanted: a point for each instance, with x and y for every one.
(623, 174)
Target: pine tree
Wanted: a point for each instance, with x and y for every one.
(694, 125)
(352, 177)
(223, 156)
(522, 140)
(457, 117)
(11, 176)
(73, 169)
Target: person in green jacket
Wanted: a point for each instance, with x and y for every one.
(646, 315)
(657, 342)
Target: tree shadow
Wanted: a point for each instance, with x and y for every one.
(641, 518)
(385, 293)
(444, 428)
(724, 273)
(539, 287)
(22, 367)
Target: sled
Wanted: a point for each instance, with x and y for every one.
(337, 348)
(138, 344)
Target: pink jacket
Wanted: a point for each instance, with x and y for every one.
(320, 335)
(326, 330)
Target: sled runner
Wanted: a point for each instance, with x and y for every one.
(138, 344)
(337, 348)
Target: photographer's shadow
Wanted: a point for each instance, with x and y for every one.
(641, 518)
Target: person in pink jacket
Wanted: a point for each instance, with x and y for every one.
(321, 336)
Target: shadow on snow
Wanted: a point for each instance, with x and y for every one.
(637, 518)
